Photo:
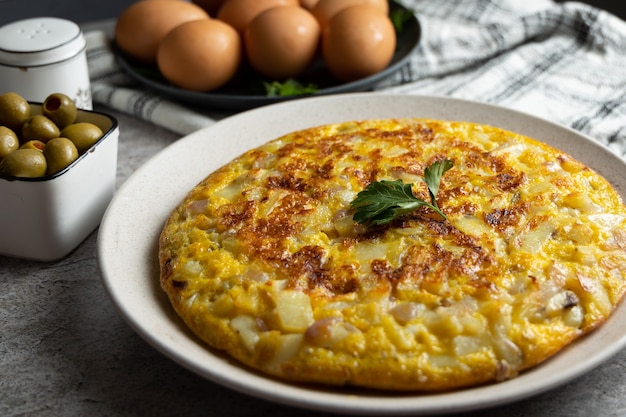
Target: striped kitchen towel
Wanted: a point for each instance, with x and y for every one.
(563, 62)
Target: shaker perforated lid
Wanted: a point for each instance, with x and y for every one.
(39, 41)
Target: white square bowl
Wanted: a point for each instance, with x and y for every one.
(46, 218)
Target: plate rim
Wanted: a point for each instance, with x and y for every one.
(320, 399)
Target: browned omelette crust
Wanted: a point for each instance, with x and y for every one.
(263, 260)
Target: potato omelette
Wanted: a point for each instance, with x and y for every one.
(264, 260)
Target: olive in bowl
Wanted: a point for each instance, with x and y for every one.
(46, 216)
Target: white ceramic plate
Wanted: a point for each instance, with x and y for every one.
(127, 249)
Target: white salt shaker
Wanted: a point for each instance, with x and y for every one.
(44, 55)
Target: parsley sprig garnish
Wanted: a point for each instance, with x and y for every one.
(288, 88)
(382, 201)
(399, 17)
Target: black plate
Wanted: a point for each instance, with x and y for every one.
(246, 89)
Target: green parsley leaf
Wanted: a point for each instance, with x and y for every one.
(399, 17)
(288, 88)
(432, 177)
(382, 201)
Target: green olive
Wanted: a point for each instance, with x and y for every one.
(83, 134)
(14, 111)
(25, 163)
(8, 141)
(39, 127)
(59, 153)
(60, 109)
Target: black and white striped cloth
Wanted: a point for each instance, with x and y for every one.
(565, 62)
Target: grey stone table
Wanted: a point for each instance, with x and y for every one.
(65, 351)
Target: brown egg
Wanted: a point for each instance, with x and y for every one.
(324, 10)
(349, 51)
(210, 6)
(308, 4)
(141, 27)
(201, 55)
(281, 42)
(239, 13)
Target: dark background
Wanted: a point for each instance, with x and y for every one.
(88, 10)
(76, 10)
(617, 7)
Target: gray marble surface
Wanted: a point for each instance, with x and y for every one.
(65, 351)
